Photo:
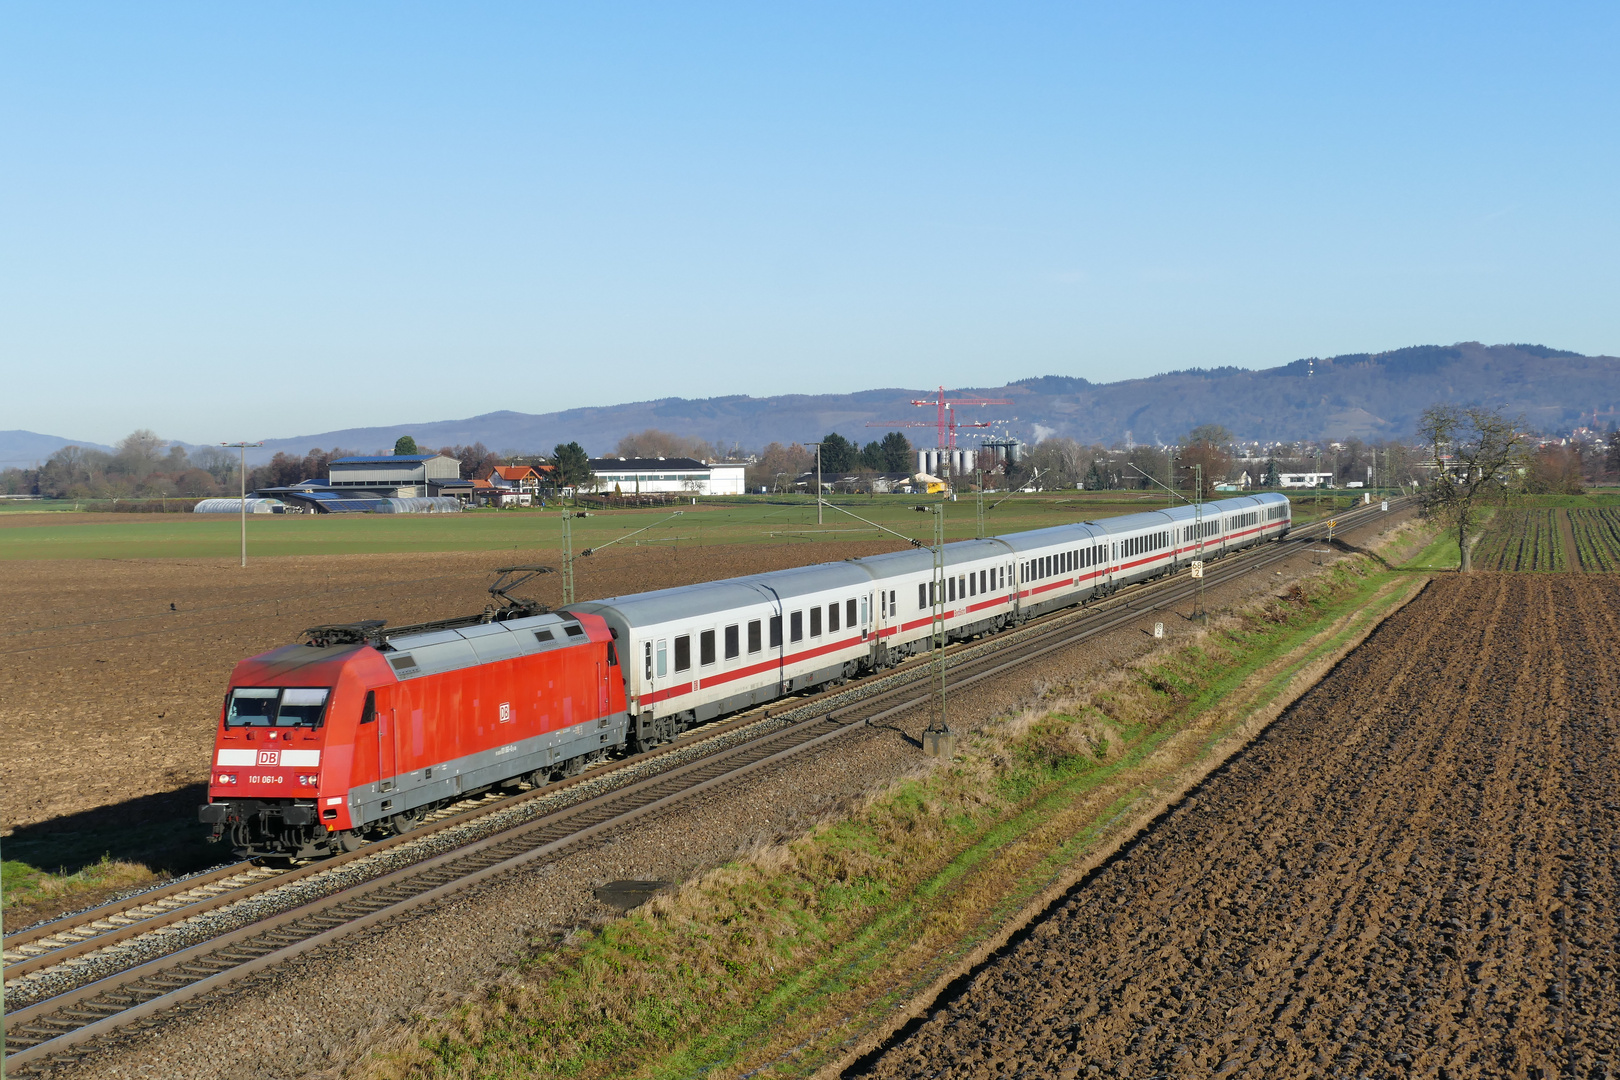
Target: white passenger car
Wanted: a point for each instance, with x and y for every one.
(700, 651)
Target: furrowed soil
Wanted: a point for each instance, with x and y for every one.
(1412, 872)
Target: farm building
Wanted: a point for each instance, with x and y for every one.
(395, 476)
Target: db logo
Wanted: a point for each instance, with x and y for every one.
(506, 711)
(269, 757)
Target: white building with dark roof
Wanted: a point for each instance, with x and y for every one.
(653, 476)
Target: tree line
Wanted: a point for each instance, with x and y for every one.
(143, 465)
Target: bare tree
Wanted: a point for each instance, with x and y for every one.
(654, 443)
(1213, 461)
(1555, 470)
(1478, 452)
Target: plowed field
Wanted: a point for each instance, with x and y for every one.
(1411, 873)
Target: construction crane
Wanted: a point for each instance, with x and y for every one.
(946, 415)
(951, 425)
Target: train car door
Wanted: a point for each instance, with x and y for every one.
(387, 741)
(658, 667)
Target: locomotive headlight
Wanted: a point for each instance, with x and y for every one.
(225, 778)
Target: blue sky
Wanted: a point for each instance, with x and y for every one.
(264, 220)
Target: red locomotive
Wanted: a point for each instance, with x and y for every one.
(364, 731)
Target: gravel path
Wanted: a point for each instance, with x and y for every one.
(316, 1015)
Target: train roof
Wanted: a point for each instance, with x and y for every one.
(433, 651)
(711, 597)
(921, 560)
(730, 594)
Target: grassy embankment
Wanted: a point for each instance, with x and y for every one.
(786, 960)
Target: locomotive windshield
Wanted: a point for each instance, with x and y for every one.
(276, 707)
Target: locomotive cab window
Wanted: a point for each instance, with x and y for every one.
(369, 712)
(276, 707)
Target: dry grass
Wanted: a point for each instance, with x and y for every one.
(33, 894)
(801, 936)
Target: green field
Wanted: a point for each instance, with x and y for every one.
(65, 535)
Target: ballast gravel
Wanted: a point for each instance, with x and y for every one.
(319, 1014)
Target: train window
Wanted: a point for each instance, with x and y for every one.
(646, 651)
(301, 707)
(683, 653)
(733, 643)
(776, 631)
(891, 602)
(796, 626)
(849, 614)
(984, 581)
(705, 648)
(950, 589)
(815, 622)
(753, 636)
(832, 618)
(922, 595)
(369, 712)
(865, 613)
(613, 655)
(252, 708)
(663, 658)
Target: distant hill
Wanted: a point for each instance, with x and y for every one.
(1363, 395)
(23, 449)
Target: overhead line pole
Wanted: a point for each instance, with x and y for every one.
(938, 739)
(818, 482)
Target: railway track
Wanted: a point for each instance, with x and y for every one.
(52, 1027)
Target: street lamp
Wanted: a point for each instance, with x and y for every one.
(242, 475)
